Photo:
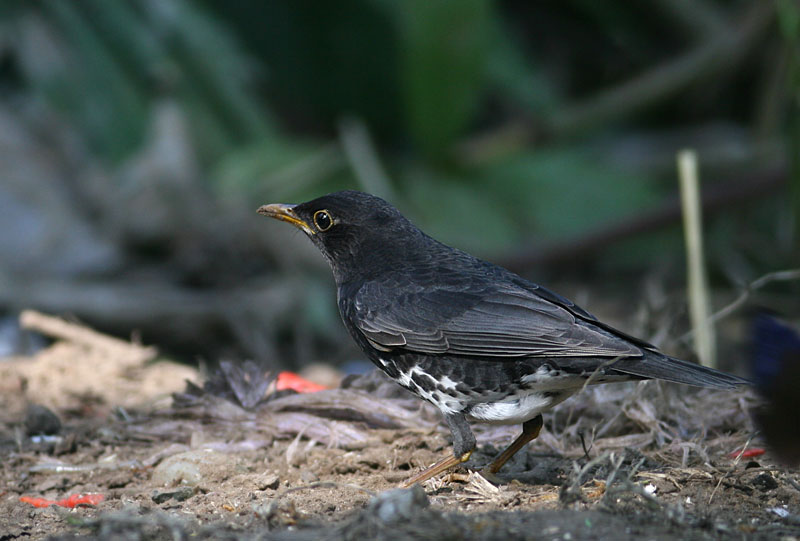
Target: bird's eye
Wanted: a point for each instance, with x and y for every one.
(323, 220)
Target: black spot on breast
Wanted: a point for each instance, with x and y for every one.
(449, 391)
(464, 388)
(390, 369)
(424, 381)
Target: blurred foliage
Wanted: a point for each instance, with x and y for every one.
(789, 21)
(444, 48)
(486, 116)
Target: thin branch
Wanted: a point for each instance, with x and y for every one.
(777, 276)
(719, 196)
(723, 49)
(124, 352)
(735, 463)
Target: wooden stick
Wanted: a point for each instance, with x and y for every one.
(72, 332)
(699, 305)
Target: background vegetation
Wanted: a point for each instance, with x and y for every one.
(137, 137)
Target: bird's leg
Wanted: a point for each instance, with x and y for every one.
(530, 429)
(463, 445)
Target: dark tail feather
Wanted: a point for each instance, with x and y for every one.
(656, 366)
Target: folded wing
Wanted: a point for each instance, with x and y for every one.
(497, 321)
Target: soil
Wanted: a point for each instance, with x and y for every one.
(617, 462)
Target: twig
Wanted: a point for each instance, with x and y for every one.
(719, 196)
(735, 463)
(628, 484)
(673, 513)
(583, 445)
(615, 466)
(572, 491)
(154, 306)
(777, 276)
(596, 373)
(699, 305)
(64, 330)
(72, 332)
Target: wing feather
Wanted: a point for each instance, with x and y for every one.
(495, 321)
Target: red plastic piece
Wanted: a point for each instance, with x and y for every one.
(748, 453)
(71, 501)
(290, 380)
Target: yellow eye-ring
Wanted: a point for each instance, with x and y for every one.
(323, 220)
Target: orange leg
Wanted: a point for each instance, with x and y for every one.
(436, 469)
(463, 444)
(530, 430)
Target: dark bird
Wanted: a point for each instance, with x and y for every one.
(775, 367)
(472, 338)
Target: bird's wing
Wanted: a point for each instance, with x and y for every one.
(501, 321)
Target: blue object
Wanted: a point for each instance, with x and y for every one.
(775, 343)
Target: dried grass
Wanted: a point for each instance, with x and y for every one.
(682, 424)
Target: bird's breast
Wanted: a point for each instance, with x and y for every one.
(516, 409)
(507, 404)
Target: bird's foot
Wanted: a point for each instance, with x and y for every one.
(490, 476)
(437, 468)
(530, 430)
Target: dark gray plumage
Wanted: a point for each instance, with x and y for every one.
(473, 338)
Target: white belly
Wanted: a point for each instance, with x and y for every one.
(517, 409)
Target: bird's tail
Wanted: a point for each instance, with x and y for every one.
(659, 366)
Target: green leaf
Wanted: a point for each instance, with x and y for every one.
(460, 214)
(277, 168)
(520, 79)
(565, 192)
(443, 47)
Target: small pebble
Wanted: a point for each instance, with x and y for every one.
(780, 511)
(765, 482)
(180, 495)
(269, 481)
(190, 468)
(40, 420)
(398, 504)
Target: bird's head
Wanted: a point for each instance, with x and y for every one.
(353, 230)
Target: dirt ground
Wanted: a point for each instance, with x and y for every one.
(627, 461)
